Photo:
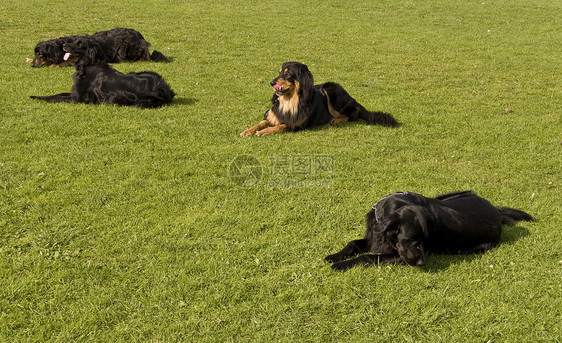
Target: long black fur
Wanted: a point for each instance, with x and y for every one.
(95, 82)
(402, 227)
(118, 45)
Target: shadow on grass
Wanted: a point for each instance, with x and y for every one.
(349, 124)
(185, 101)
(329, 126)
(436, 263)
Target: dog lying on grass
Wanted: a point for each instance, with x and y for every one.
(118, 45)
(96, 82)
(299, 104)
(403, 227)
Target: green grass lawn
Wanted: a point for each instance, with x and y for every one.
(123, 224)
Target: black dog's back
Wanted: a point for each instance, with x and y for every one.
(102, 84)
(464, 223)
(509, 216)
(452, 195)
(122, 44)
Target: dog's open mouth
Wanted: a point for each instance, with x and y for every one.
(279, 89)
(69, 52)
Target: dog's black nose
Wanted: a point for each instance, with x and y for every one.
(273, 83)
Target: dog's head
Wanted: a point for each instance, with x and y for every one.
(85, 50)
(403, 230)
(294, 78)
(410, 245)
(47, 53)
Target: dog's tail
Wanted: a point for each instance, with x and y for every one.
(510, 216)
(380, 118)
(157, 56)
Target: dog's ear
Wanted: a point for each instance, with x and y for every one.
(305, 78)
(386, 226)
(371, 219)
(94, 52)
(52, 50)
(422, 215)
(423, 225)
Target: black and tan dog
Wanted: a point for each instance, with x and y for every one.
(299, 104)
(402, 227)
(96, 82)
(118, 45)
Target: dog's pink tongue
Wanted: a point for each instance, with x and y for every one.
(277, 88)
(66, 56)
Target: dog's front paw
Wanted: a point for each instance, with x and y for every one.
(342, 266)
(332, 258)
(246, 133)
(264, 132)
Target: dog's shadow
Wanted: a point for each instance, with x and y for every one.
(184, 101)
(437, 263)
(329, 126)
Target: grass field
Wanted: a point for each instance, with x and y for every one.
(122, 224)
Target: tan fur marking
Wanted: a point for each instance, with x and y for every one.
(338, 117)
(333, 112)
(37, 62)
(259, 126)
(272, 119)
(272, 129)
(339, 120)
(287, 86)
(289, 100)
(64, 64)
(300, 122)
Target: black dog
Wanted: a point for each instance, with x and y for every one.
(298, 104)
(118, 45)
(402, 227)
(95, 82)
